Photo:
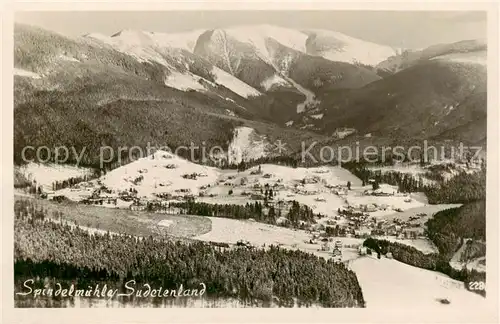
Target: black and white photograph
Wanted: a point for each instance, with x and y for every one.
(252, 159)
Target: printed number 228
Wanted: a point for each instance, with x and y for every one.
(476, 285)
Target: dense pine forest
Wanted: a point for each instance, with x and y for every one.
(448, 228)
(50, 250)
(296, 214)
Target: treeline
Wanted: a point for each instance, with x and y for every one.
(406, 182)
(33, 187)
(434, 262)
(258, 211)
(298, 213)
(285, 277)
(336, 231)
(290, 161)
(58, 185)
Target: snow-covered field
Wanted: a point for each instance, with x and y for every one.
(46, 174)
(226, 230)
(424, 208)
(390, 283)
(401, 201)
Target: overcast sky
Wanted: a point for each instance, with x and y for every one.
(394, 28)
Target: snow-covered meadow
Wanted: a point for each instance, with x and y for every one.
(390, 283)
(46, 174)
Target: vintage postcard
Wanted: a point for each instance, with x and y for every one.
(313, 158)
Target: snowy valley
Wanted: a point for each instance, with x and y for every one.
(247, 212)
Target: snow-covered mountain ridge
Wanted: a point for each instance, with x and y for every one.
(330, 45)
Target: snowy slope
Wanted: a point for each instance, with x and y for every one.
(389, 282)
(234, 84)
(331, 45)
(184, 81)
(289, 186)
(137, 44)
(257, 36)
(246, 145)
(336, 46)
(158, 47)
(183, 40)
(157, 178)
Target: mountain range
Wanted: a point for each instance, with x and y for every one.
(135, 87)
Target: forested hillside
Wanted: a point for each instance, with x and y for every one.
(46, 249)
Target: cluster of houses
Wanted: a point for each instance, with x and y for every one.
(338, 189)
(327, 245)
(359, 224)
(193, 176)
(363, 227)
